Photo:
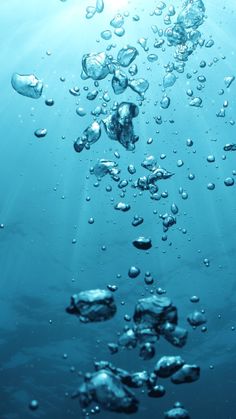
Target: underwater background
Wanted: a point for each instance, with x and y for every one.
(60, 232)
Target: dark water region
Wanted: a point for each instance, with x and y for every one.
(117, 213)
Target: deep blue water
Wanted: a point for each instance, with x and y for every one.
(49, 251)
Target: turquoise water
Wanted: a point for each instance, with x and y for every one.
(48, 248)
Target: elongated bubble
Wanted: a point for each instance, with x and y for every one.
(27, 85)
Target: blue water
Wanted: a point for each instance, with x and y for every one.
(49, 251)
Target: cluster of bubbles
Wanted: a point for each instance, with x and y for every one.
(153, 317)
(109, 387)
